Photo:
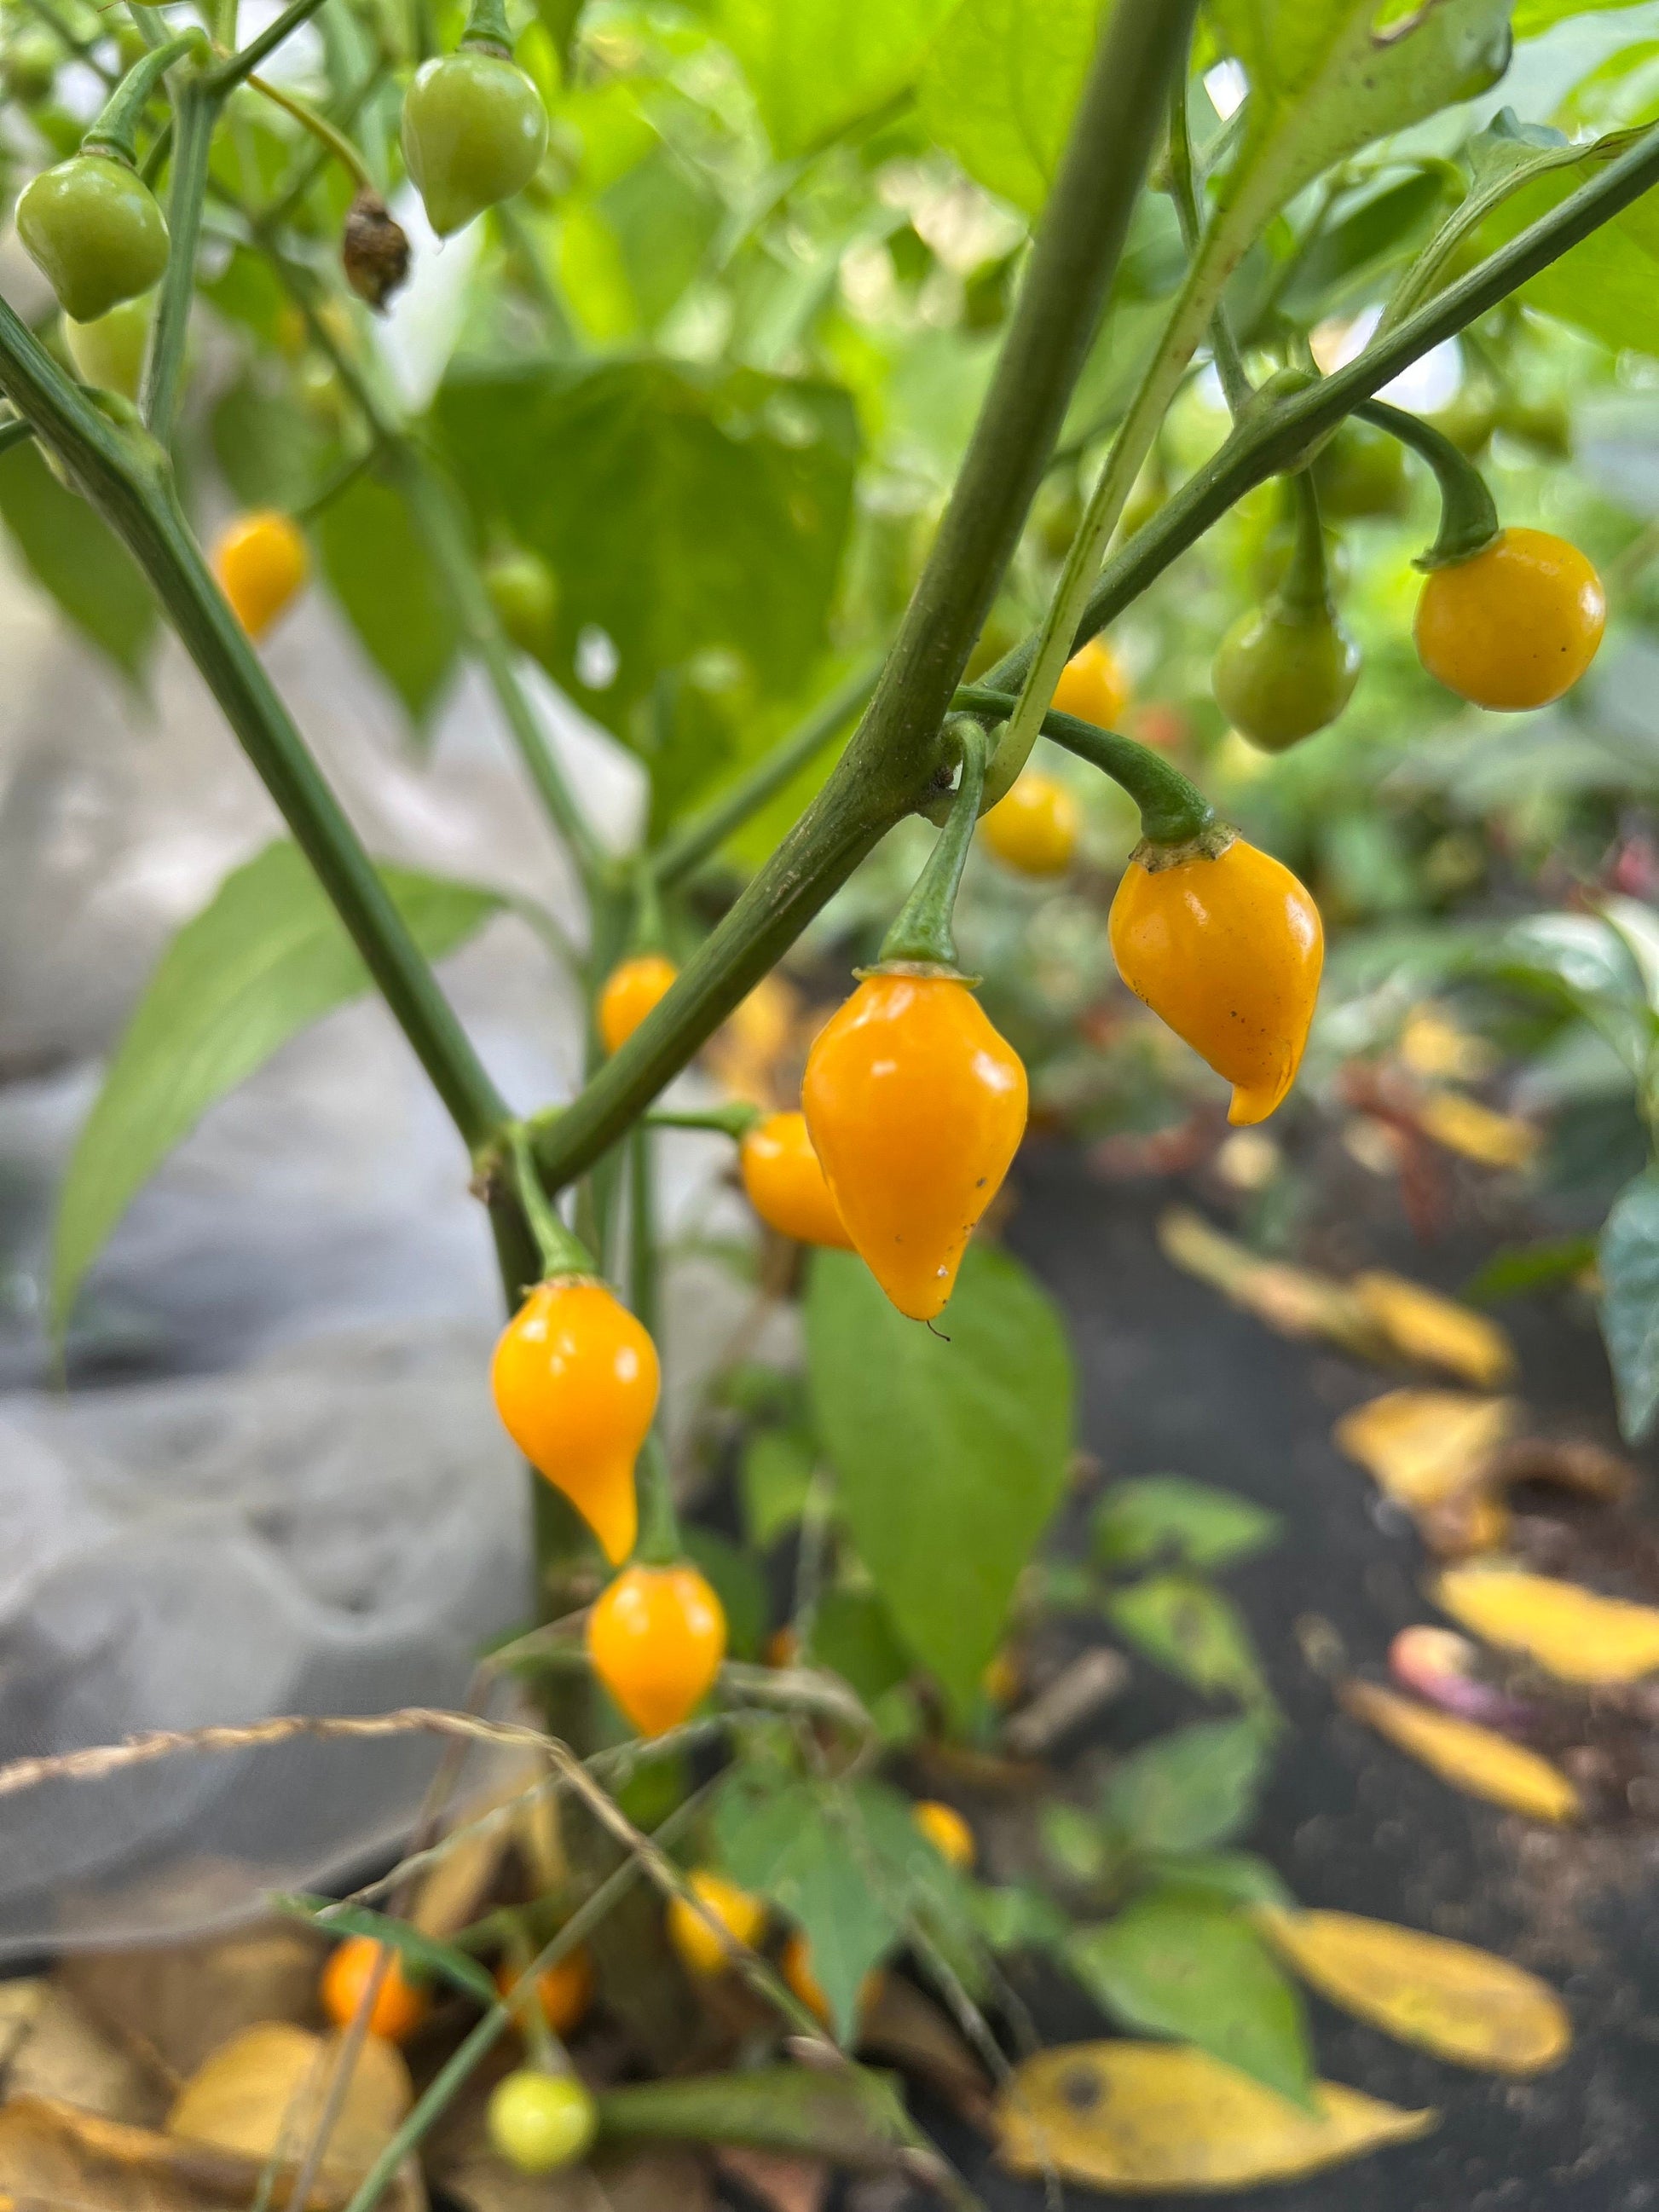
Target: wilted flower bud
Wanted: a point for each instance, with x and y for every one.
(374, 248)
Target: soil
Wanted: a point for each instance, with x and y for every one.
(1174, 1380)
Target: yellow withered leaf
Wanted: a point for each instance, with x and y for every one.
(263, 2094)
(1432, 1045)
(1575, 1634)
(1450, 1998)
(1423, 1445)
(1295, 1301)
(1132, 2117)
(1464, 1125)
(1422, 1325)
(1475, 1760)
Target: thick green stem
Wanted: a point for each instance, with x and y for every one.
(195, 112)
(231, 71)
(659, 1542)
(126, 477)
(897, 757)
(1172, 809)
(922, 933)
(1468, 515)
(116, 130)
(702, 834)
(1274, 439)
(1185, 186)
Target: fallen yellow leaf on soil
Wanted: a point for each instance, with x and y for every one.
(1292, 1300)
(1465, 1126)
(1148, 2116)
(1461, 2003)
(1422, 1446)
(1432, 1045)
(1475, 1760)
(263, 2094)
(1437, 1331)
(1575, 1634)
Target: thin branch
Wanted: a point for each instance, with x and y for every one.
(231, 71)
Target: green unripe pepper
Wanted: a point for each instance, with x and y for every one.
(1361, 473)
(525, 593)
(474, 133)
(93, 227)
(110, 352)
(1281, 675)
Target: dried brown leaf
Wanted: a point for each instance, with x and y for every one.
(262, 2093)
(65, 2056)
(181, 2002)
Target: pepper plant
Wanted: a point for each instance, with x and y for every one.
(642, 472)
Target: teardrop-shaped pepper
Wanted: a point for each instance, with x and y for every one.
(656, 1637)
(916, 1107)
(631, 990)
(474, 134)
(575, 1379)
(1225, 946)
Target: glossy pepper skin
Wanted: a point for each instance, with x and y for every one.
(786, 1185)
(474, 133)
(916, 1107)
(631, 991)
(540, 2122)
(92, 226)
(1092, 685)
(399, 2006)
(656, 1637)
(262, 563)
(575, 1379)
(743, 1916)
(1227, 950)
(1033, 827)
(1515, 626)
(1280, 674)
(563, 1992)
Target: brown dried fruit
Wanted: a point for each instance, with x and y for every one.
(374, 248)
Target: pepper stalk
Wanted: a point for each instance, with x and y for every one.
(921, 936)
(1468, 514)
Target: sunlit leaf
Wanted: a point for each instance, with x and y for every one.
(266, 957)
(1575, 1634)
(1194, 1631)
(1002, 86)
(1127, 2116)
(816, 66)
(1477, 1760)
(1187, 1966)
(1461, 2003)
(967, 1431)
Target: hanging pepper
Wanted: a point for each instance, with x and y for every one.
(915, 1105)
(656, 1637)
(786, 1182)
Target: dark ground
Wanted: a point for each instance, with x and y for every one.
(1174, 1380)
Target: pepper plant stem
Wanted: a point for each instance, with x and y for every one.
(196, 111)
(1468, 515)
(235, 67)
(1173, 809)
(922, 931)
(127, 478)
(898, 757)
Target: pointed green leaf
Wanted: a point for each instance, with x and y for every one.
(1193, 1788)
(1000, 87)
(72, 553)
(266, 957)
(1174, 1963)
(1182, 1624)
(1142, 1519)
(816, 66)
(1629, 1267)
(950, 1449)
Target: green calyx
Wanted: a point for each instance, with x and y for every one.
(94, 229)
(1468, 515)
(1173, 809)
(922, 936)
(474, 132)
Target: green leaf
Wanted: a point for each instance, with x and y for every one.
(663, 221)
(684, 511)
(1016, 1916)
(429, 1956)
(816, 66)
(950, 1449)
(853, 1634)
(1533, 16)
(265, 959)
(377, 565)
(1328, 76)
(738, 1583)
(1193, 1788)
(804, 1845)
(1002, 85)
(1183, 1625)
(774, 1478)
(1607, 284)
(1176, 1965)
(1226, 1877)
(1153, 1516)
(273, 452)
(72, 553)
(1629, 1266)
(852, 2117)
(1516, 1269)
